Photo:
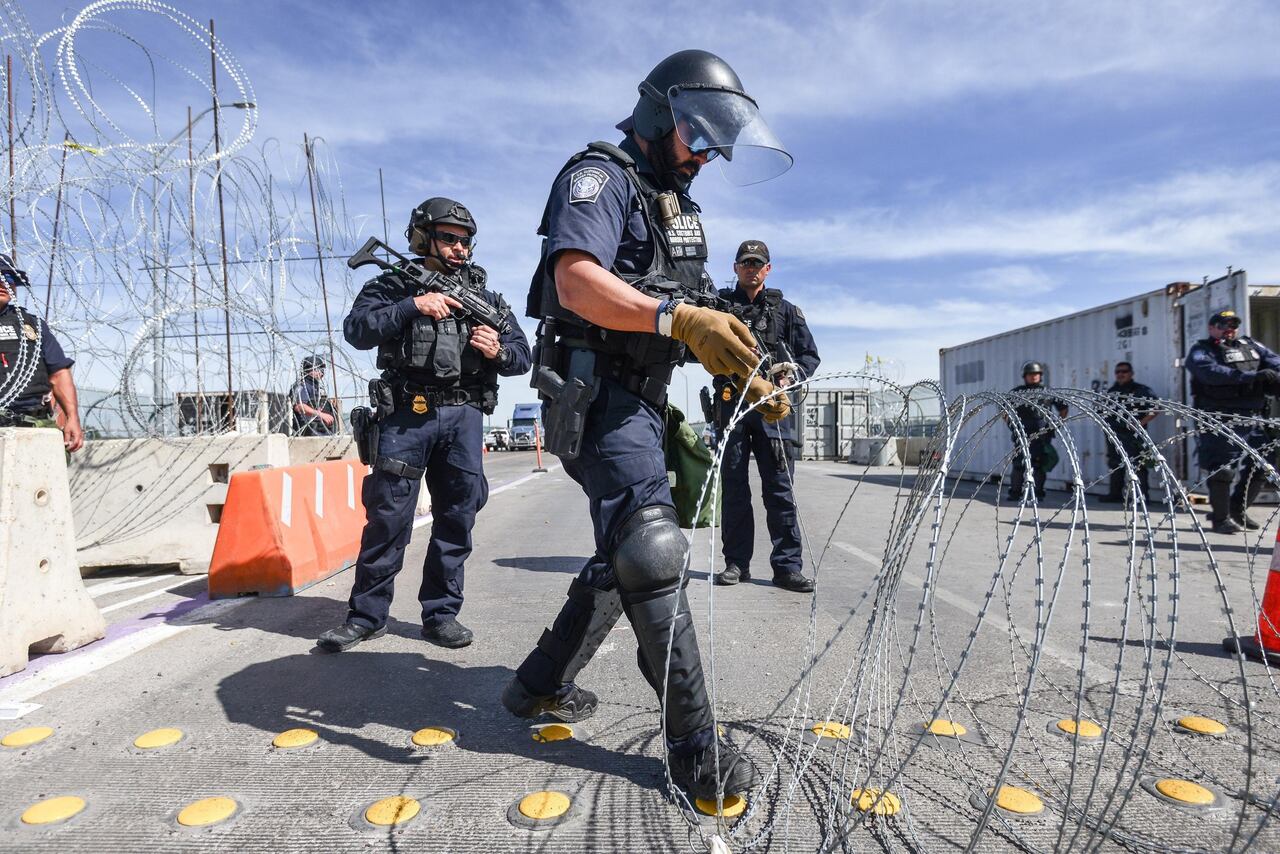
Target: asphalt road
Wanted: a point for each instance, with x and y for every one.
(926, 609)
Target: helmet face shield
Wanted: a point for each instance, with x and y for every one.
(728, 123)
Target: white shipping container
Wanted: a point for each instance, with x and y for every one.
(1152, 330)
(830, 419)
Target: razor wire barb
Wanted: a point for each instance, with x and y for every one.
(911, 665)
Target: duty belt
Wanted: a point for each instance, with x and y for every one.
(407, 395)
(21, 419)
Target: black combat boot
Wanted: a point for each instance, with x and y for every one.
(449, 634)
(346, 636)
(697, 773)
(732, 575)
(570, 704)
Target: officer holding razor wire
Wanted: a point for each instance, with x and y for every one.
(622, 298)
(442, 339)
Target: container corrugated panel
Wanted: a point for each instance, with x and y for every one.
(1078, 351)
(831, 419)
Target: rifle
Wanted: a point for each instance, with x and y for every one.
(431, 281)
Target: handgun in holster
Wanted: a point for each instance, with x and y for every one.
(366, 420)
(566, 381)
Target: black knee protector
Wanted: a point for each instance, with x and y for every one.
(651, 550)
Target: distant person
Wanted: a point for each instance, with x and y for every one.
(32, 374)
(1037, 425)
(782, 331)
(1234, 375)
(312, 411)
(440, 372)
(1132, 442)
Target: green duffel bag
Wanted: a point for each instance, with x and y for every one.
(689, 464)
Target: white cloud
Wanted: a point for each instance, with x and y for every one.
(1215, 213)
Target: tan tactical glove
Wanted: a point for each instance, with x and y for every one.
(773, 410)
(720, 341)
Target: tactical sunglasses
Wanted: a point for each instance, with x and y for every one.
(448, 238)
(751, 262)
(1229, 323)
(700, 142)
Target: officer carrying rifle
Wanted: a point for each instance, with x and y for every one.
(442, 340)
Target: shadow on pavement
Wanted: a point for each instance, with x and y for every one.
(544, 563)
(341, 696)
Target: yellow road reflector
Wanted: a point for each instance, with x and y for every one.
(1185, 791)
(207, 811)
(1202, 725)
(877, 801)
(830, 729)
(53, 810)
(553, 732)
(392, 811)
(1083, 729)
(1018, 800)
(158, 738)
(543, 805)
(944, 727)
(27, 737)
(734, 805)
(432, 736)
(291, 739)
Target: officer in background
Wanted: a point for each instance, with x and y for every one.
(1234, 375)
(1036, 424)
(1133, 443)
(312, 412)
(439, 377)
(782, 332)
(33, 366)
(616, 292)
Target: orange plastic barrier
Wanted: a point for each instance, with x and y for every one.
(286, 528)
(1265, 645)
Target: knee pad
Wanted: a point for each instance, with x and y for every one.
(651, 550)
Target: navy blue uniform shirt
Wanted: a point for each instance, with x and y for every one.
(382, 311)
(55, 359)
(607, 223)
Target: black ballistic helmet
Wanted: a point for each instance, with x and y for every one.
(699, 96)
(1032, 368)
(313, 363)
(11, 274)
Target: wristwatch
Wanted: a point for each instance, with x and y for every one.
(502, 354)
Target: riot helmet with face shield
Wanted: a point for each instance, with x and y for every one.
(699, 97)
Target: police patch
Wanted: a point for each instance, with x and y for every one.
(586, 184)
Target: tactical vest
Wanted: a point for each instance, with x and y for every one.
(675, 271)
(18, 346)
(434, 355)
(763, 317)
(1244, 358)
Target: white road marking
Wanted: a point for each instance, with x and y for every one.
(106, 588)
(95, 658)
(423, 520)
(148, 595)
(1094, 671)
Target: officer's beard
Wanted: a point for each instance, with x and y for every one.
(673, 173)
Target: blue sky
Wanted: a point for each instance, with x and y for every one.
(961, 168)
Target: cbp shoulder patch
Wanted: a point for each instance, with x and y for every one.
(586, 184)
(799, 314)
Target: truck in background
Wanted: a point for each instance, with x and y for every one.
(525, 426)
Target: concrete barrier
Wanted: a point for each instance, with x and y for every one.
(43, 604)
(287, 528)
(159, 501)
(317, 449)
(874, 451)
